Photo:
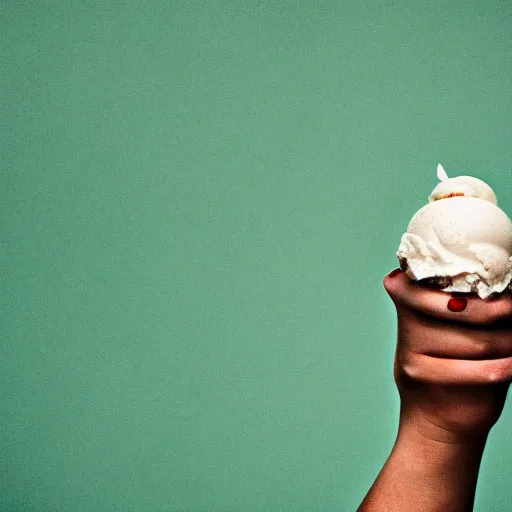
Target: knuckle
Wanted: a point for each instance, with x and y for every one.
(389, 286)
(500, 313)
(485, 349)
(498, 374)
(494, 377)
(411, 371)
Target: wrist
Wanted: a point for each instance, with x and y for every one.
(425, 432)
(429, 469)
(429, 450)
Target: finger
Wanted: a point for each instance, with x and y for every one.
(409, 294)
(435, 370)
(428, 335)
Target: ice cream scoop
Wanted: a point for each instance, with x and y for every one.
(461, 240)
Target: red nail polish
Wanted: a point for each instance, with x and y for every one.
(395, 272)
(457, 304)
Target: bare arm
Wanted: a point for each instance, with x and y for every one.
(452, 370)
(423, 474)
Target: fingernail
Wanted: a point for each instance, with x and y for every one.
(395, 272)
(457, 304)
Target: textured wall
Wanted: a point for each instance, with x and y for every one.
(199, 202)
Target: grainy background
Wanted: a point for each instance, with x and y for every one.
(199, 202)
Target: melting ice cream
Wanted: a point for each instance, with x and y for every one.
(461, 241)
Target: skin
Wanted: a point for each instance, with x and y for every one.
(452, 371)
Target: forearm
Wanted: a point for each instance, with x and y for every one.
(427, 472)
(452, 370)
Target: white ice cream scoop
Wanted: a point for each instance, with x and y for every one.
(465, 186)
(461, 239)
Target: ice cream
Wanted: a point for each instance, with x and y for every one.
(461, 241)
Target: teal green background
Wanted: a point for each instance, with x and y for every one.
(199, 202)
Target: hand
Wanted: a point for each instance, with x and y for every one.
(452, 368)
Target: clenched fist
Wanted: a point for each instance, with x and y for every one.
(453, 367)
(453, 360)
